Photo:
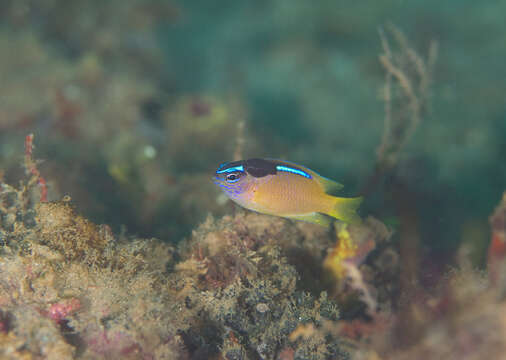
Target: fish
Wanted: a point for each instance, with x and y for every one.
(283, 188)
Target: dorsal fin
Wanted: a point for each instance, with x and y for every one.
(330, 187)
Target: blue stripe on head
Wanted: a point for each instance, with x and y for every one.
(293, 171)
(231, 169)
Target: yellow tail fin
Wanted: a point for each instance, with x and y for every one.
(345, 209)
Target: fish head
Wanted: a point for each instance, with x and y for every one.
(239, 179)
(232, 178)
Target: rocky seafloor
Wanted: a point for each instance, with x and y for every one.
(246, 286)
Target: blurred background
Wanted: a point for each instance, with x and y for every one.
(133, 105)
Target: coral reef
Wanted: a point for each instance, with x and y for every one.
(69, 288)
(251, 290)
(245, 286)
(462, 317)
(72, 289)
(237, 288)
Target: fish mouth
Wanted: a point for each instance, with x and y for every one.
(222, 185)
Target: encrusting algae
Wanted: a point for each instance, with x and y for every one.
(241, 287)
(72, 289)
(232, 293)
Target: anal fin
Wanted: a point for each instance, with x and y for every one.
(315, 218)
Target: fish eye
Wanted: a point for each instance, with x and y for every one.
(232, 177)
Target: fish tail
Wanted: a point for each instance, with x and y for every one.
(345, 209)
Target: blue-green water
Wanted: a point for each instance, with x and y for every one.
(305, 78)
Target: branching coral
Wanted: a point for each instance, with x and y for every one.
(15, 202)
(406, 92)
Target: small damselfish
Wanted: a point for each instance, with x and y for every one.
(285, 189)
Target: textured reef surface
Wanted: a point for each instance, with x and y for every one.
(246, 286)
(72, 289)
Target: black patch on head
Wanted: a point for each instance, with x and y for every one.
(259, 167)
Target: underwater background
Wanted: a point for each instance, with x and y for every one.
(119, 112)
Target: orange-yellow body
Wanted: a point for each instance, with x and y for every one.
(286, 194)
(284, 189)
